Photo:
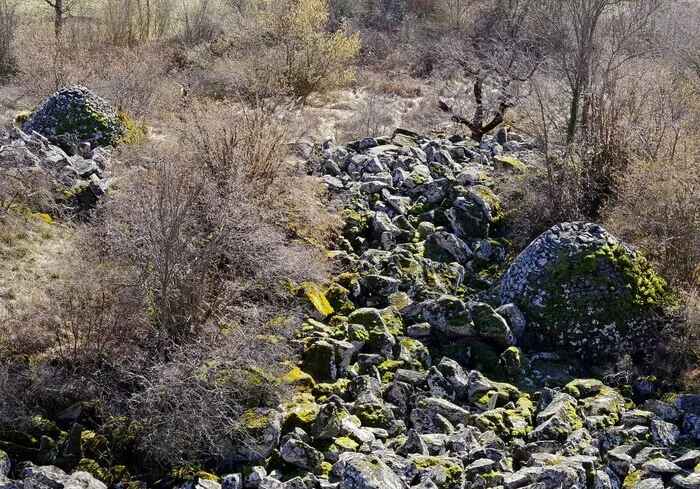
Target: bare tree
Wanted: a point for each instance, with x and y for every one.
(8, 22)
(498, 54)
(60, 9)
(592, 41)
(481, 123)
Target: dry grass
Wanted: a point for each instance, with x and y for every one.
(208, 222)
(31, 253)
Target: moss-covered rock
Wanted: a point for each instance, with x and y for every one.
(509, 163)
(299, 379)
(452, 468)
(4, 463)
(449, 316)
(583, 290)
(513, 362)
(300, 412)
(367, 472)
(581, 388)
(339, 299)
(374, 414)
(76, 111)
(317, 296)
(92, 467)
(491, 326)
(263, 428)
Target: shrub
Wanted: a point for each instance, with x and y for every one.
(373, 118)
(658, 205)
(312, 58)
(544, 196)
(658, 209)
(186, 264)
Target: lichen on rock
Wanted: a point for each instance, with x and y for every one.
(75, 110)
(583, 290)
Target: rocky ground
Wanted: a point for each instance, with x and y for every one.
(422, 367)
(392, 389)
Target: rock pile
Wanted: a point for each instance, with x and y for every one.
(585, 291)
(75, 182)
(385, 399)
(411, 375)
(48, 477)
(74, 114)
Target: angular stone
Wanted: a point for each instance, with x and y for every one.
(661, 466)
(366, 472)
(664, 434)
(449, 316)
(491, 326)
(444, 246)
(296, 452)
(46, 477)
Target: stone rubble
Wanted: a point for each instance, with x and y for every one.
(413, 375)
(75, 113)
(76, 181)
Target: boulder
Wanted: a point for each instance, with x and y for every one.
(583, 290)
(83, 480)
(449, 316)
(366, 472)
(296, 452)
(446, 247)
(45, 477)
(491, 326)
(4, 463)
(263, 428)
(6, 483)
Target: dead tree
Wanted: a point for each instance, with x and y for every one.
(482, 122)
(498, 53)
(479, 125)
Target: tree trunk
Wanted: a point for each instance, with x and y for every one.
(573, 114)
(58, 21)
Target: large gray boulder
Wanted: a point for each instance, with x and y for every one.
(46, 477)
(583, 290)
(83, 480)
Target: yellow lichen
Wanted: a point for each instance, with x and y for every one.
(318, 298)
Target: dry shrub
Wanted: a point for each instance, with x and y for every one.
(187, 263)
(127, 22)
(424, 116)
(658, 209)
(134, 79)
(195, 403)
(8, 26)
(658, 198)
(403, 86)
(676, 360)
(22, 189)
(278, 46)
(544, 196)
(373, 118)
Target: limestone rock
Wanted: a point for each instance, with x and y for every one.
(367, 472)
(46, 477)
